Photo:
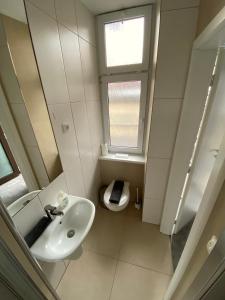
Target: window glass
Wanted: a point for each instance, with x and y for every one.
(5, 166)
(124, 42)
(124, 108)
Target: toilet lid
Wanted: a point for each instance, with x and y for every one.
(123, 200)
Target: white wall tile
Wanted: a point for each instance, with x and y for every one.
(156, 178)
(65, 12)
(164, 124)
(72, 62)
(96, 182)
(178, 4)
(69, 77)
(8, 76)
(48, 6)
(152, 210)
(177, 32)
(38, 165)
(90, 70)
(47, 47)
(54, 271)
(29, 216)
(23, 122)
(84, 143)
(50, 193)
(86, 23)
(95, 125)
(61, 114)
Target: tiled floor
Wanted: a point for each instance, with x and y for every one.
(123, 259)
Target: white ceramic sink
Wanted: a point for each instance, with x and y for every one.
(65, 233)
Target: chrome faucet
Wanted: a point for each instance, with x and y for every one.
(53, 211)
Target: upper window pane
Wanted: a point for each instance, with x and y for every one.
(124, 108)
(124, 41)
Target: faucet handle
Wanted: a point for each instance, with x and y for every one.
(49, 207)
(52, 211)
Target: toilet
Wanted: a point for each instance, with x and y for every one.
(124, 199)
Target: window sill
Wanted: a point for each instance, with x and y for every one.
(135, 159)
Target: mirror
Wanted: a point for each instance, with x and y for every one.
(29, 158)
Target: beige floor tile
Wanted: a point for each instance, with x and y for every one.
(106, 234)
(135, 283)
(88, 278)
(145, 246)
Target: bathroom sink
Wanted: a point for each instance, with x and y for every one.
(65, 233)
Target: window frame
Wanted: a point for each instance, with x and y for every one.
(11, 159)
(143, 11)
(143, 77)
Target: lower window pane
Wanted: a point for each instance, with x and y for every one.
(124, 109)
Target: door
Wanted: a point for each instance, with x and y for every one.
(216, 291)
(207, 149)
(209, 283)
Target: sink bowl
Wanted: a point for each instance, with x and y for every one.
(65, 233)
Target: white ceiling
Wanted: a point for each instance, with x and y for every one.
(14, 9)
(102, 6)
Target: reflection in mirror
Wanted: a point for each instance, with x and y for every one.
(29, 158)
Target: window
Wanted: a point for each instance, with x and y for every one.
(124, 39)
(8, 166)
(124, 42)
(124, 108)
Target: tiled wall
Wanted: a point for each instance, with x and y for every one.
(63, 34)
(19, 111)
(29, 216)
(177, 32)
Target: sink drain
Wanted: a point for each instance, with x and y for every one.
(70, 233)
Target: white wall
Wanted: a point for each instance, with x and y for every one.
(65, 46)
(177, 32)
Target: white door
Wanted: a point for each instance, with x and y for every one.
(207, 149)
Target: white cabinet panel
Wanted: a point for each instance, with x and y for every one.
(65, 12)
(177, 32)
(61, 116)
(90, 70)
(47, 48)
(72, 62)
(165, 118)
